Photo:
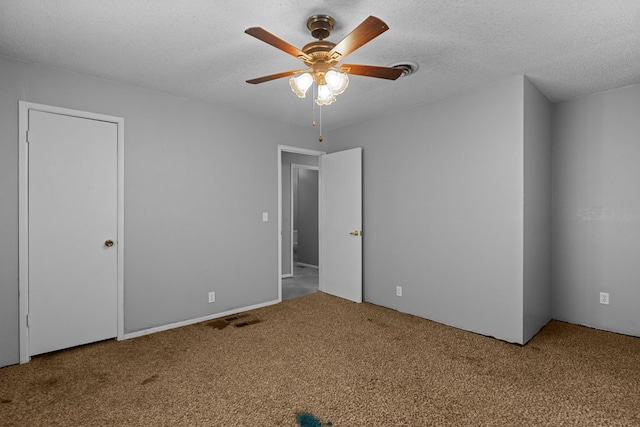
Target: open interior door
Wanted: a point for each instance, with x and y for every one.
(341, 224)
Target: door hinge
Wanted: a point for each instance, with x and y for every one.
(28, 136)
(28, 321)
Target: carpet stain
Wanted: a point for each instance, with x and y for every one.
(305, 419)
(5, 400)
(247, 323)
(377, 323)
(101, 377)
(50, 381)
(47, 383)
(218, 324)
(150, 379)
(238, 321)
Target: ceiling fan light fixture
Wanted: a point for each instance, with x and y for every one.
(300, 84)
(337, 81)
(325, 95)
(322, 57)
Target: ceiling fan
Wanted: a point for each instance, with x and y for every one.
(322, 57)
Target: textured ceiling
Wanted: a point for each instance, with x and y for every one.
(197, 49)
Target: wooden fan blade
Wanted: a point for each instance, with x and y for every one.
(369, 29)
(267, 37)
(274, 76)
(371, 71)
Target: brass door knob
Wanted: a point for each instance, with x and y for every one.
(355, 233)
(108, 243)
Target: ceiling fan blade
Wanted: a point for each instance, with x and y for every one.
(389, 73)
(369, 29)
(277, 42)
(274, 76)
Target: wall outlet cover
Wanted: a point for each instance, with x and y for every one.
(604, 298)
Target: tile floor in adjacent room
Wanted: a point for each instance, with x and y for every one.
(304, 282)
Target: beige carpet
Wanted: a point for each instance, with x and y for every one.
(347, 364)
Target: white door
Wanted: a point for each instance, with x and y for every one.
(72, 214)
(341, 222)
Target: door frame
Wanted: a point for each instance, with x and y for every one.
(308, 152)
(307, 167)
(23, 213)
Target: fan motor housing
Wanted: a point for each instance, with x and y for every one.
(318, 48)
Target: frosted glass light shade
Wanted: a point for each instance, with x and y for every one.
(300, 84)
(338, 82)
(325, 95)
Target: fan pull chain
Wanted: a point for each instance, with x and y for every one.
(320, 137)
(313, 120)
(313, 106)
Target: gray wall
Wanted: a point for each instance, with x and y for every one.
(596, 210)
(307, 216)
(537, 211)
(287, 159)
(444, 186)
(193, 216)
(443, 209)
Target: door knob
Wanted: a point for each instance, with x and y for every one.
(355, 233)
(108, 243)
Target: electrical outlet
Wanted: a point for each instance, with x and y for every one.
(604, 298)
(398, 291)
(212, 297)
(265, 216)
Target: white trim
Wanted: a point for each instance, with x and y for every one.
(23, 229)
(296, 150)
(120, 123)
(287, 276)
(291, 219)
(23, 213)
(198, 320)
(320, 221)
(309, 167)
(302, 264)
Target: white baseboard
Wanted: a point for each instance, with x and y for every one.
(302, 264)
(287, 276)
(197, 320)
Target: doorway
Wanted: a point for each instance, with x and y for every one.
(304, 253)
(71, 228)
(340, 222)
(298, 276)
